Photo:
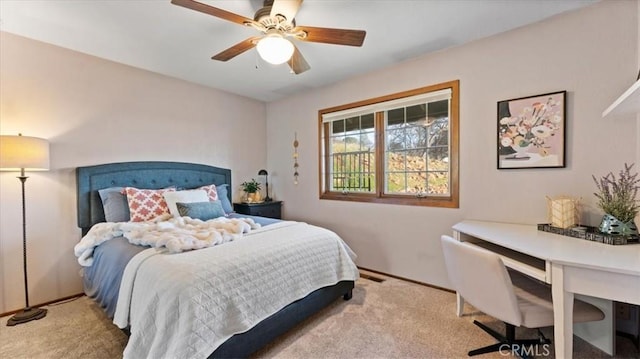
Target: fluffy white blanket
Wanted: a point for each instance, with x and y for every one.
(176, 234)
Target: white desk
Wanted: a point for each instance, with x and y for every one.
(570, 265)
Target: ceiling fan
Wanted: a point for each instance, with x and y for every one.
(276, 21)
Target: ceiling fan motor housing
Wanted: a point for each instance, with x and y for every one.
(262, 13)
(263, 16)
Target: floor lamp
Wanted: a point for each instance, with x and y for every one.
(20, 153)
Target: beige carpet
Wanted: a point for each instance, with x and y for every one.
(392, 319)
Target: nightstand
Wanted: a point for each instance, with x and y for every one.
(271, 209)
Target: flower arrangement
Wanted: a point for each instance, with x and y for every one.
(617, 197)
(533, 126)
(250, 186)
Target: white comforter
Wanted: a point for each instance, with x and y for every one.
(185, 305)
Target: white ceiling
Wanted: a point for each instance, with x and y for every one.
(171, 40)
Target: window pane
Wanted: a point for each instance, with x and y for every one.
(417, 183)
(439, 132)
(417, 114)
(367, 141)
(352, 142)
(395, 117)
(416, 160)
(439, 108)
(416, 137)
(337, 144)
(438, 159)
(337, 126)
(396, 161)
(396, 183)
(367, 121)
(352, 124)
(395, 139)
(438, 183)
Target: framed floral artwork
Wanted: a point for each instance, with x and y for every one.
(532, 131)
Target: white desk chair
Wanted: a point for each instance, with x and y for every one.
(481, 278)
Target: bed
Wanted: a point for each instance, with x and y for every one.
(158, 175)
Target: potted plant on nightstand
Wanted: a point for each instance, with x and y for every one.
(617, 198)
(251, 190)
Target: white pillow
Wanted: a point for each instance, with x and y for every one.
(190, 196)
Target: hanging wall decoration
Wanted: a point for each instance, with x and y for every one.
(295, 159)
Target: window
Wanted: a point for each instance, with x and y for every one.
(400, 148)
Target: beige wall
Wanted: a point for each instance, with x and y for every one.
(590, 53)
(95, 111)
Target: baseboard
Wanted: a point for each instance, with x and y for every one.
(43, 304)
(408, 280)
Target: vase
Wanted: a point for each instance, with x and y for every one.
(252, 197)
(612, 225)
(521, 152)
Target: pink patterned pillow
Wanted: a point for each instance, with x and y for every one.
(146, 204)
(211, 192)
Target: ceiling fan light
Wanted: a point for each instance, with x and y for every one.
(275, 49)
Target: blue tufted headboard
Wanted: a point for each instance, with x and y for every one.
(152, 175)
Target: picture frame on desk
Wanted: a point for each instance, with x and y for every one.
(531, 131)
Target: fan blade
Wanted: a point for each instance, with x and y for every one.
(297, 62)
(332, 36)
(286, 8)
(214, 11)
(237, 49)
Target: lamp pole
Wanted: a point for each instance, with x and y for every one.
(27, 314)
(23, 180)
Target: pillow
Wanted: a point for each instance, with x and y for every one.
(201, 210)
(211, 192)
(146, 204)
(114, 203)
(224, 199)
(196, 195)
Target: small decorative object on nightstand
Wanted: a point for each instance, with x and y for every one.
(251, 191)
(271, 209)
(266, 183)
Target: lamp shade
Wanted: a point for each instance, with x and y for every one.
(263, 173)
(23, 152)
(275, 49)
